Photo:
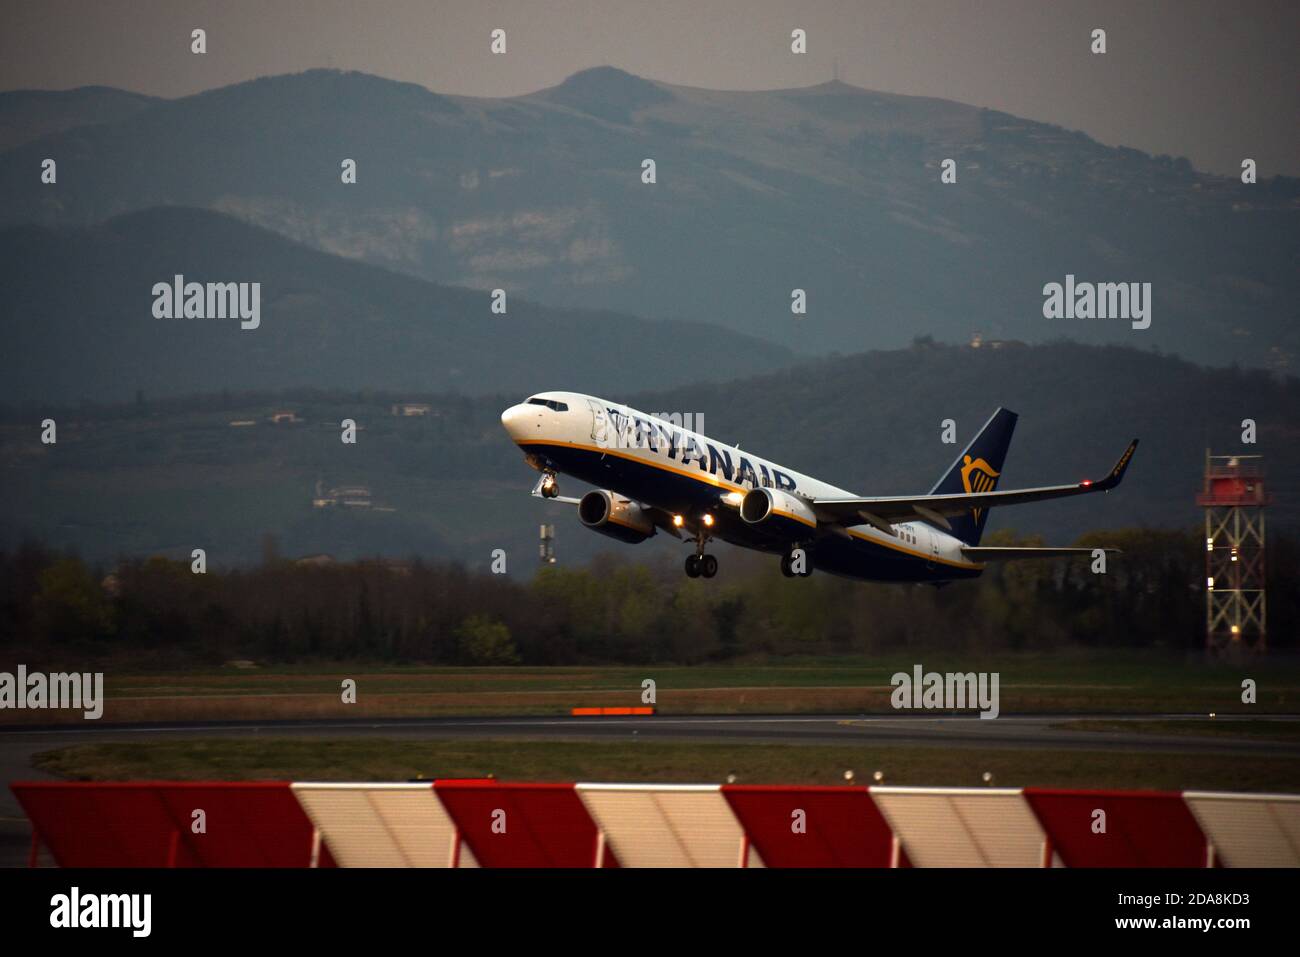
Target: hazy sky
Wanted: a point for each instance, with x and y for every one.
(1213, 81)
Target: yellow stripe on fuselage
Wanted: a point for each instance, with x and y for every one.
(794, 518)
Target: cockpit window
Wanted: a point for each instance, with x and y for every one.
(550, 404)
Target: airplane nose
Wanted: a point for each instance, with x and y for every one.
(513, 419)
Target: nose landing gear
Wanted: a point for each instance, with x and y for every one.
(548, 486)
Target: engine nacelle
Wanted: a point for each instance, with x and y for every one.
(771, 506)
(613, 515)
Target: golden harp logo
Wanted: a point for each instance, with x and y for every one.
(977, 476)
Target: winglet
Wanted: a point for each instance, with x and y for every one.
(1117, 473)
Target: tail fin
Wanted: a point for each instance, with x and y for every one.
(977, 470)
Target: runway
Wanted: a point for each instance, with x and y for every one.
(1013, 731)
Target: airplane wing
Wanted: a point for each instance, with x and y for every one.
(996, 554)
(936, 509)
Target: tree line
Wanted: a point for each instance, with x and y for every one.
(57, 610)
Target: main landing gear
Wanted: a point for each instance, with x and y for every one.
(796, 563)
(701, 565)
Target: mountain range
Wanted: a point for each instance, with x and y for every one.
(830, 189)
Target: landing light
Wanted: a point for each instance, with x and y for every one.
(677, 521)
(735, 498)
(708, 521)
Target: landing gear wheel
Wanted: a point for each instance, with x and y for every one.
(550, 487)
(708, 566)
(693, 566)
(786, 570)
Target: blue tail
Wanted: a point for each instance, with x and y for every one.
(977, 470)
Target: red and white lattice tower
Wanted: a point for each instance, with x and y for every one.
(1234, 498)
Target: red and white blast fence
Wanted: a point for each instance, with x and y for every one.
(488, 823)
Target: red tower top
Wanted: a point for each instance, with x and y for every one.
(1232, 481)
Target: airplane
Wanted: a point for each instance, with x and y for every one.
(651, 475)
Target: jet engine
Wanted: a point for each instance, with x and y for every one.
(771, 505)
(613, 515)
